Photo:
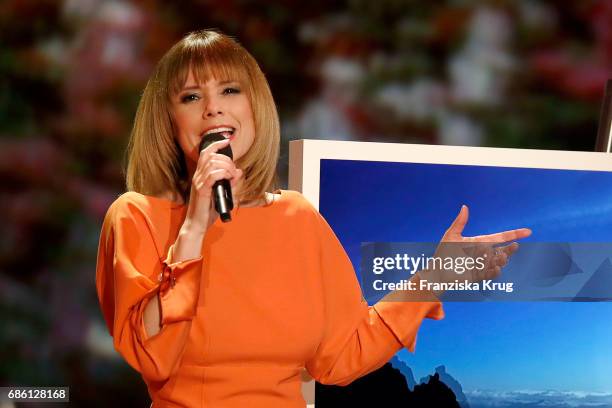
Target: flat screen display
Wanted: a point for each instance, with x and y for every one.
(539, 353)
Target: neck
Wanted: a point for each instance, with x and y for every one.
(191, 168)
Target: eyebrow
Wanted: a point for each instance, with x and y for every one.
(187, 88)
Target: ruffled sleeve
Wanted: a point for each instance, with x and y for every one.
(358, 338)
(129, 273)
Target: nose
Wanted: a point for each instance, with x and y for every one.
(212, 108)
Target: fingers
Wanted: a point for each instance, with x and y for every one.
(497, 259)
(505, 236)
(215, 164)
(210, 160)
(510, 248)
(216, 175)
(212, 167)
(501, 258)
(220, 158)
(507, 251)
(458, 224)
(215, 172)
(214, 147)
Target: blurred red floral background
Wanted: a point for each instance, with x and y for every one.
(526, 74)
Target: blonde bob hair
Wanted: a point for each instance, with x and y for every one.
(155, 162)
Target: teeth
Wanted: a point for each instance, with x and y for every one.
(219, 130)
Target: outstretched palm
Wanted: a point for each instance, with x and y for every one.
(495, 248)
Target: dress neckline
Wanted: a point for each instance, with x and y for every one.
(176, 206)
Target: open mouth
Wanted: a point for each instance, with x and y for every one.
(225, 131)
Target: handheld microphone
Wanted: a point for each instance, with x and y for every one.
(222, 190)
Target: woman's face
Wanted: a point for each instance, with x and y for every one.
(214, 106)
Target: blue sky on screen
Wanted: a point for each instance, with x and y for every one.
(500, 346)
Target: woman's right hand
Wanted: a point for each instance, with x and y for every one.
(211, 167)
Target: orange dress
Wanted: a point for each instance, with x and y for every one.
(272, 293)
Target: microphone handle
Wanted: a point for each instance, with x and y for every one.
(222, 192)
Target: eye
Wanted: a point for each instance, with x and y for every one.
(231, 90)
(189, 98)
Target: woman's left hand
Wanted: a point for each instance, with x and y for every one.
(496, 248)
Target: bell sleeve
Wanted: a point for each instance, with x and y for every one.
(358, 338)
(129, 273)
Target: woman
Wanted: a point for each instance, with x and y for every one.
(227, 315)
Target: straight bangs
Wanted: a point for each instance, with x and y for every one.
(219, 61)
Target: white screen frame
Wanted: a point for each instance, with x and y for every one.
(305, 156)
